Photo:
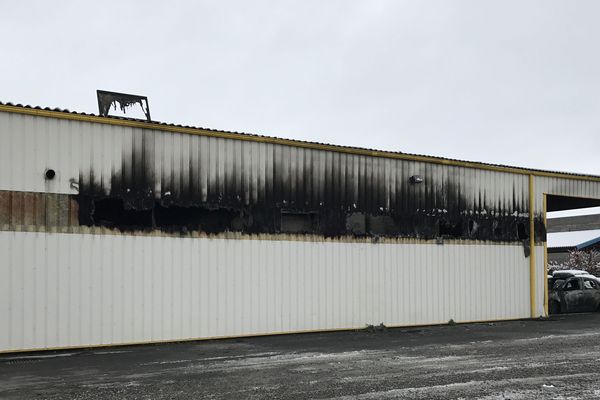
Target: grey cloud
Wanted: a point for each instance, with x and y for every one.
(507, 82)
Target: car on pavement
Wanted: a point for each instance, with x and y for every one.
(573, 291)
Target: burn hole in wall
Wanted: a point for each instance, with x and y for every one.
(183, 219)
(356, 223)
(362, 224)
(382, 225)
(473, 226)
(299, 222)
(446, 228)
(179, 217)
(112, 213)
(115, 213)
(521, 231)
(497, 229)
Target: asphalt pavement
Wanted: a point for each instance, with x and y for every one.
(557, 358)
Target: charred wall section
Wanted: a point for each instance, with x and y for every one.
(176, 182)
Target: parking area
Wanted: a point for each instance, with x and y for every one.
(555, 358)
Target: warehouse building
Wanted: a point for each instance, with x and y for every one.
(572, 233)
(118, 231)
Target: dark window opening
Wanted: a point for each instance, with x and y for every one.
(590, 284)
(448, 229)
(521, 231)
(296, 222)
(573, 285)
(111, 212)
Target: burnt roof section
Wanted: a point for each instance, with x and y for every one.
(296, 142)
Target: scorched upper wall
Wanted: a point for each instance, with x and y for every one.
(159, 179)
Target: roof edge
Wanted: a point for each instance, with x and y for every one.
(135, 123)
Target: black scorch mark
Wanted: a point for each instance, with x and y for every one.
(330, 194)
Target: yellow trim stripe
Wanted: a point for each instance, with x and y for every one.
(287, 142)
(545, 259)
(532, 291)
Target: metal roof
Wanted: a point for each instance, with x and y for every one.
(295, 142)
(571, 239)
(589, 243)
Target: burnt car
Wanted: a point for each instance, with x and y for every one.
(573, 291)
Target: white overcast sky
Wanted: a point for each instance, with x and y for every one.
(510, 82)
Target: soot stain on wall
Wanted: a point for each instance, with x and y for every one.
(337, 198)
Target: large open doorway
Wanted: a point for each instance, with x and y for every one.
(572, 254)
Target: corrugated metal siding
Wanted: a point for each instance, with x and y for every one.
(246, 172)
(77, 289)
(222, 170)
(80, 290)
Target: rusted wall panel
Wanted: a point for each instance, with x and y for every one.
(38, 211)
(5, 208)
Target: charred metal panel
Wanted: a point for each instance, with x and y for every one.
(298, 222)
(107, 100)
(249, 185)
(150, 168)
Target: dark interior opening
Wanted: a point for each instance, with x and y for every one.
(111, 212)
(178, 218)
(472, 227)
(115, 213)
(356, 224)
(383, 225)
(298, 222)
(497, 229)
(561, 203)
(446, 228)
(521, 231)
(572, 241)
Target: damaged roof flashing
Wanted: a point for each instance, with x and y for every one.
(108, 100)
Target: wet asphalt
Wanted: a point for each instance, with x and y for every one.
(557, 358)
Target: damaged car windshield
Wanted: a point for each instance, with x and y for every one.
(558, 284)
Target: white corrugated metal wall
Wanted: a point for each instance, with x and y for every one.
(93, 153)
(60, 290)
(78, 289)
